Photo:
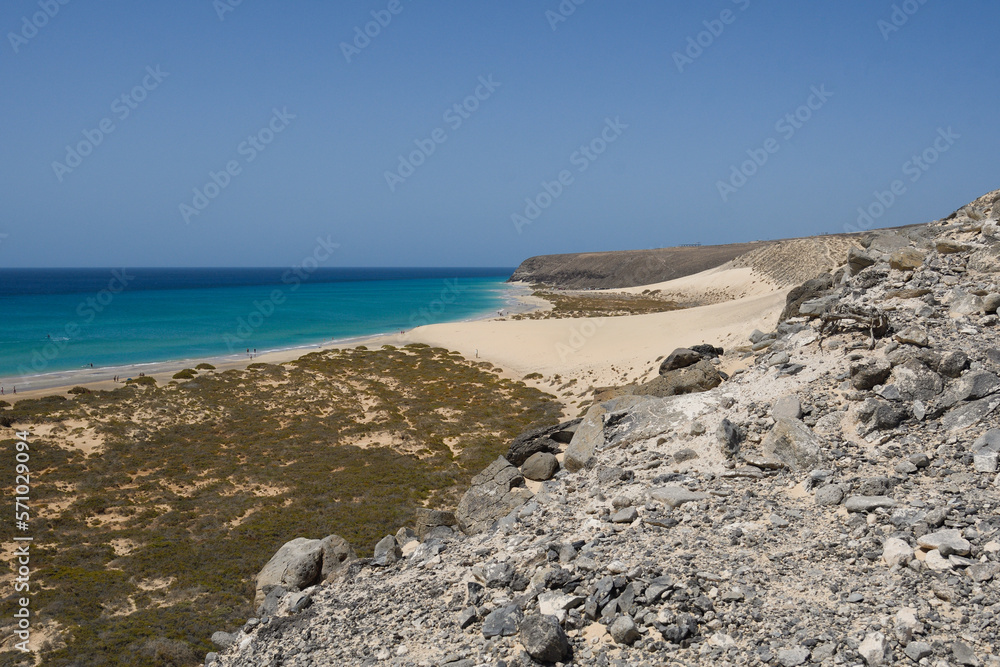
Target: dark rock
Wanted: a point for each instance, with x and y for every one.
(970, 414)
(880, 415)
(953, 363)
(916, 382)
(964, 655)
(543, 638)
(858, 260)
(869, 373)
(540, 466)
(545, 439)
(493, 493)
(502, 622)
(699, 377)
(682, 357)
(829, 495)
(468, 616)
(729, 437)
(808, 290)
(708, 351)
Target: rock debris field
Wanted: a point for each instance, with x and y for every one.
(835, 503)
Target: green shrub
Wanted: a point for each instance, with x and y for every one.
(533, 376)
(78, 390)
(205, 367)
(185, 374)
(144, 381)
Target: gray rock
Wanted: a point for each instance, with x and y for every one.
(675, 496)
(953, 363)
(829, 495)
(947, 542)
(793, 443)
(991, 303)
(917, 650)
(502, 622)
(540, 467)
(211, 658)
(986, 462)
(686, 454)
(729, 437)
(818, 306)
(964, 655)
(468, 616)
(868, 373)
(387, 552)
(858, 260)
(426, 520)
(493, 494)
(589, 437)
(987, 442)
(972, 386)
(625, 515)
(916, 382)
(296, 565)
(787, 407)
(624, 630)
(543, 638)
(792, 657)
(970, 414)
(693, 379)
(868, 503)
(337, 557)
(879, 415)
(811, 289)
(682, 357)
(223, 640)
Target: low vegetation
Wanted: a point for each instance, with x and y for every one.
(577, 304)
(150, 542)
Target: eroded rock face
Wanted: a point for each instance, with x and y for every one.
(811, 289)
(547, 439)
(493, 494)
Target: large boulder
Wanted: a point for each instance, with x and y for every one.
(427, 520)
(858, 260)
(698, 377)
(540, 467)
(387, 552)
(545, 439)
(810, 289)
(494, 493)
(794, 444)
(296, 565)
(906, 259)
(682, 357)
(589, 437)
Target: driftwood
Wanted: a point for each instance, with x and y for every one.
(845, 318)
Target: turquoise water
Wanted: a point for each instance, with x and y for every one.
(68, 319)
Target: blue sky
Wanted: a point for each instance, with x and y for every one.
(589, 114)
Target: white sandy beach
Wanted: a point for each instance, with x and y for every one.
(593, 351)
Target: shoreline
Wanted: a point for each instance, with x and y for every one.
(517, 300)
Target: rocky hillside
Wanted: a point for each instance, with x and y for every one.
(625, 268)
(785, 262)
(833, 501)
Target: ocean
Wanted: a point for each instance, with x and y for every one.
(67, 319)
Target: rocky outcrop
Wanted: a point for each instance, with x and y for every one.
(546, 439)
(297, 565)
(835, 503)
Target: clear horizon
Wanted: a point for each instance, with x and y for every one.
(229, 134)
